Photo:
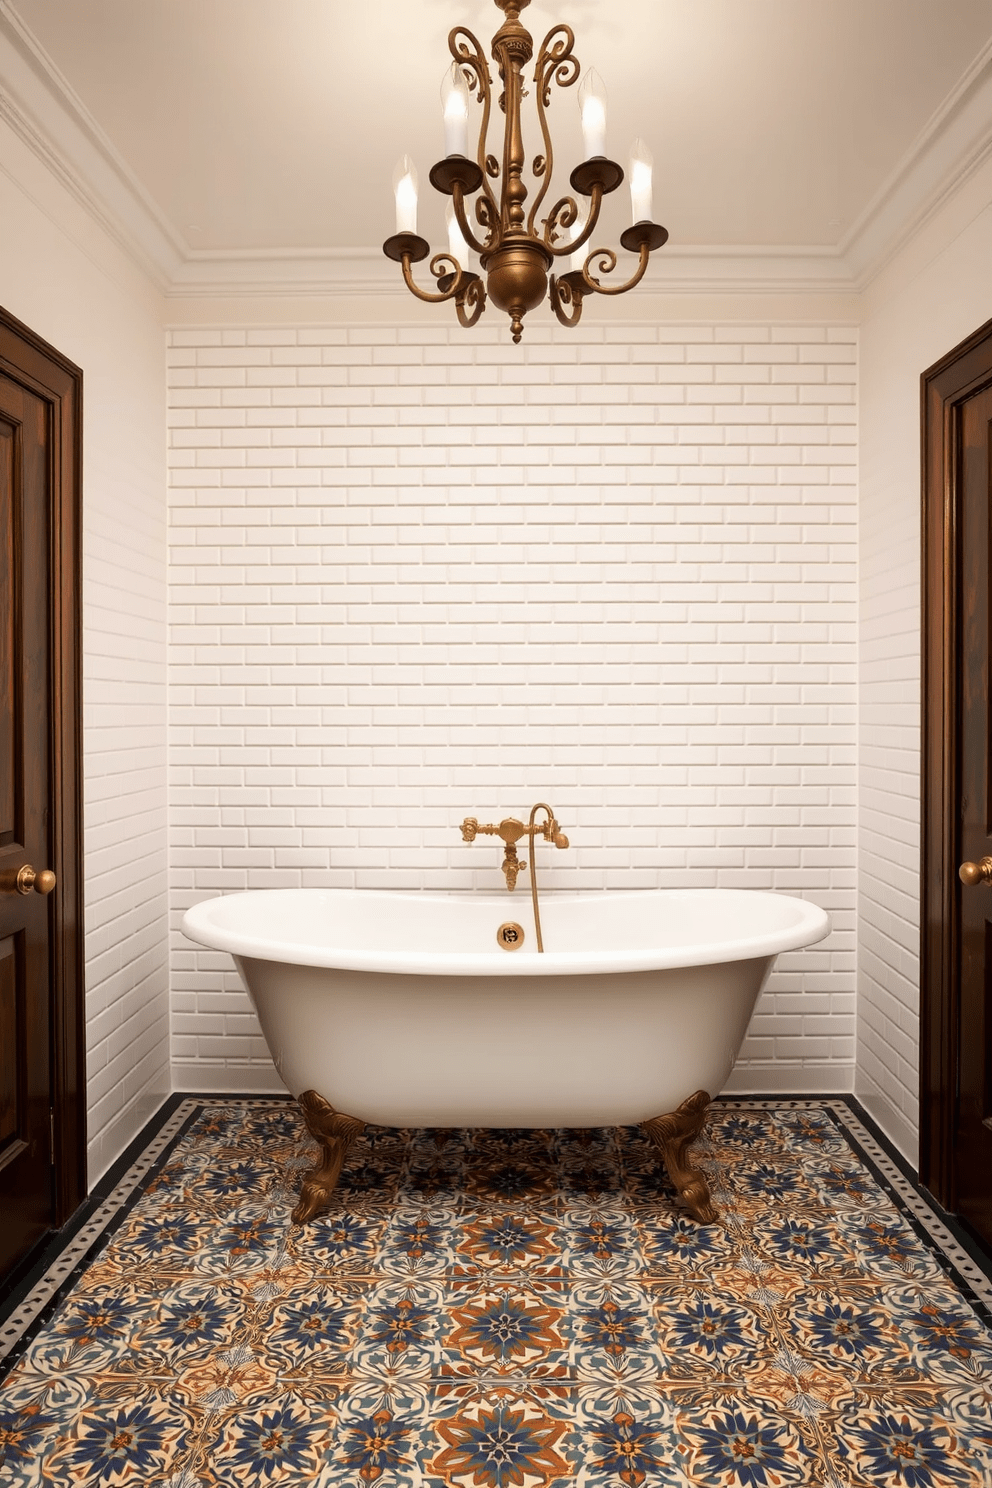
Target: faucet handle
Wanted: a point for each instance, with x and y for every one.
(472, 827)
(553, 833)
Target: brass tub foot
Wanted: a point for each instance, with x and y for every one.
(673, 1135)
(335, 1132)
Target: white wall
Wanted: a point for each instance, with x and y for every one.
(422, 573)
(937, 291)
(62, 276)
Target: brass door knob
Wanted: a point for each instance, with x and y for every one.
(42, 883)
(973, 873)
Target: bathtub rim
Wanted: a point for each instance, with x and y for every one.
(811, 924)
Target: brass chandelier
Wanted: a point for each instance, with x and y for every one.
(517, 256)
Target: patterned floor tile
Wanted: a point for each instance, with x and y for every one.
(503, 1439)
(128, 1435)
(901, 1437)
(734, 1443)
(505, 1328)
(340, 1243)
(804, 1244)
(508, 1309)
(508, 1242)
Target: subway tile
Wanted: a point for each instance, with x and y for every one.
(584, 571)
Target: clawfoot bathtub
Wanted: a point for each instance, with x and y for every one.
(424, 1009)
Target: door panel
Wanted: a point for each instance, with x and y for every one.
(26, 1196)
(42, 1074)
(956, 804)
(7, 631)
(9, 1072)
(973, 1133)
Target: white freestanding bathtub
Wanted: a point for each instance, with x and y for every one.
(403, 1008)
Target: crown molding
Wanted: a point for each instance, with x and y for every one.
(953, 144)
(679, 269)
(40, 105)
(280, 272)
(745, 268)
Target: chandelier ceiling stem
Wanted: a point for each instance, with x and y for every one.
(512, 48)
(518, 258)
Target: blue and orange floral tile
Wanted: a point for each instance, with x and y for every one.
(507, 1310)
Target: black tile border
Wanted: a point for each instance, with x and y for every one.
(33, 1299)
(38, 1294)
(26, 1274)
(958, 1254)
(962, 1233)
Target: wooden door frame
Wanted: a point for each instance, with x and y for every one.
(945, 386)
(30, 361)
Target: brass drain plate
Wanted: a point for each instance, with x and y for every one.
(510, 936)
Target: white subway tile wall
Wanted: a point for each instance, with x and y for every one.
(125, 810)
(417, 575)
(888, 955)
(124, 816)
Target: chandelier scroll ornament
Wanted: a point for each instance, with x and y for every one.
(519, 252)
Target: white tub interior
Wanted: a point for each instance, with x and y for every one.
(452, 934)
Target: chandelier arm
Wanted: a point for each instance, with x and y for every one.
(565, 295)
(459, 279)
(607, 263)
(465, 48)
(563, 214)
(548, 159)
(472, 294)
(461, 217)
(557, 62)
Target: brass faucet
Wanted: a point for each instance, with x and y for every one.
(510, 831)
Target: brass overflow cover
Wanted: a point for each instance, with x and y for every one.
(510, 936)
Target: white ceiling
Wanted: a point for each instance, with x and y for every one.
(265, 126)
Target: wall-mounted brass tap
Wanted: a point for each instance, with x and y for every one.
(510, 831)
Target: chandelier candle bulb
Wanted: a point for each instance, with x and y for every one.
(457, 246)
(592, 102)
(641, 163)
(577, 260)
(454, 102)
(405, 189)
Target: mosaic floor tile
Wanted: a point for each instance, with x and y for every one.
(506, 1309)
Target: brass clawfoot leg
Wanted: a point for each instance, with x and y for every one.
(673, 1135)
(335, 1132)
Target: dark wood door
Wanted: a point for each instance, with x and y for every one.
(956, 984)
(973, 1124)
(42, 1134)
(26, 1155)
